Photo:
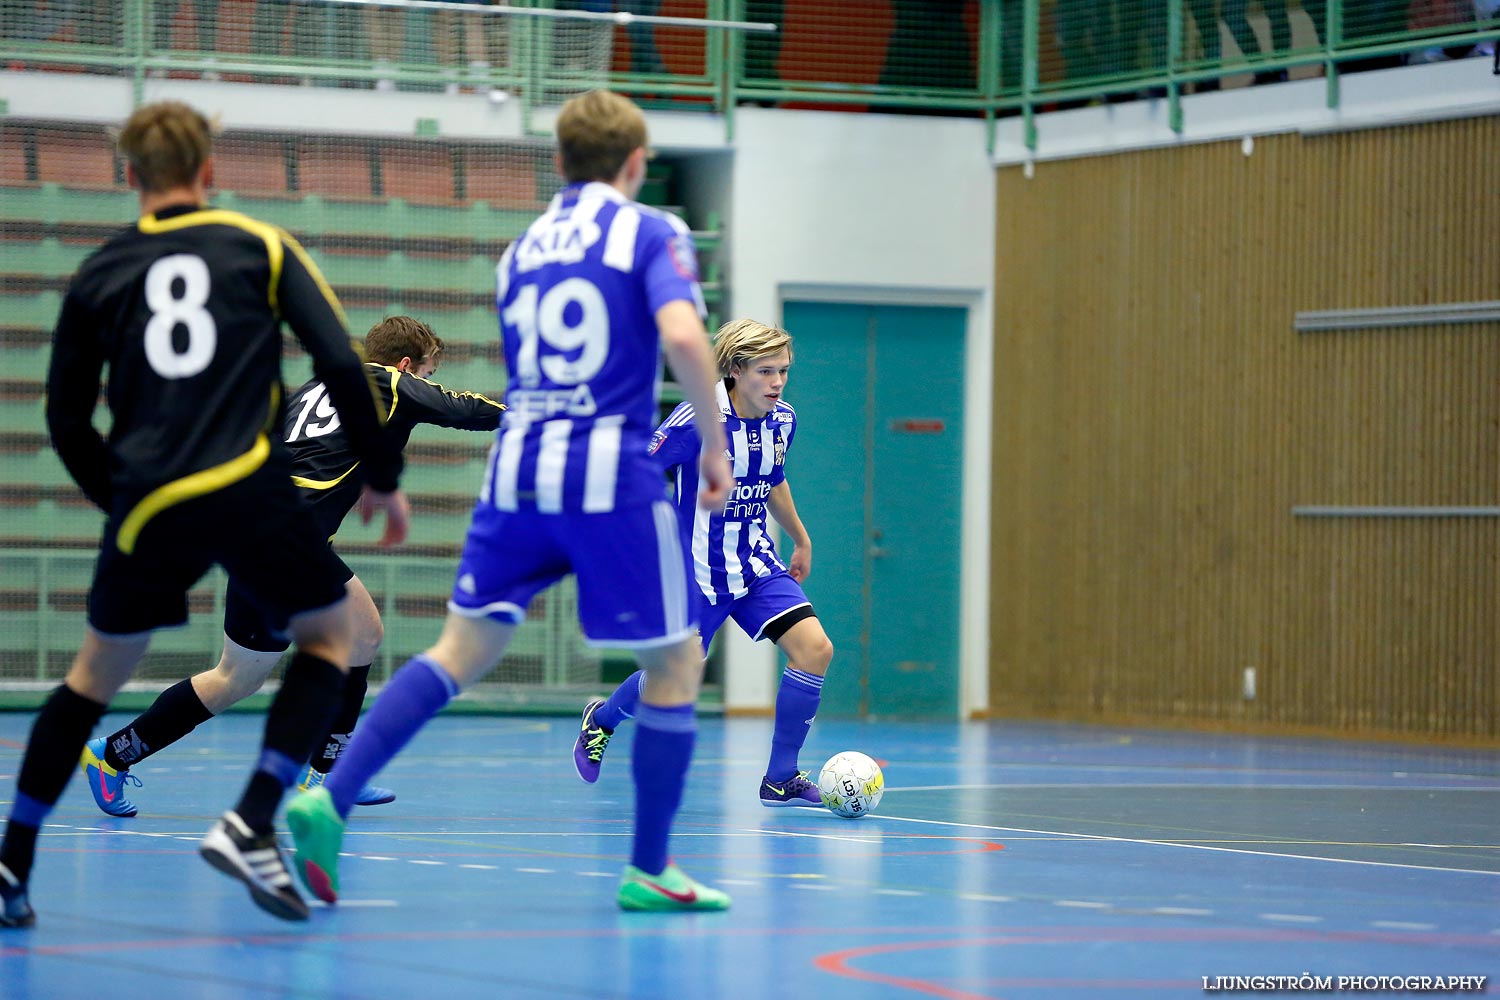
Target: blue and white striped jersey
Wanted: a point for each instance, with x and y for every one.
(578, 295)
(732, 547)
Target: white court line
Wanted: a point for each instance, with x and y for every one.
(1402, 925)
(1291, 918)
(486, 868)
(537, 871)
(981, 898)
(1182, 911)
(815, 836)
(344, 904)
(1191, 847)
(897, 892)
(1082, 904)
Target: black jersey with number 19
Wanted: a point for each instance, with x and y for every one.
(325, 465)
(185, 308)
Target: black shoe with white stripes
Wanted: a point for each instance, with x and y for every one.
(15, 908)
(254, 859)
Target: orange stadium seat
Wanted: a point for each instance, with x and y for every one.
(13, 142)
(246, 163)
(417, 172)
(819, 45)
(504, 178)
(338, 168)
(76, 157)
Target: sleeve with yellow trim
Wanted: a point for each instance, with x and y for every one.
(72, 393)
(312, 311)
(420, 401)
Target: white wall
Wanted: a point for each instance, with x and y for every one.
(872, 208)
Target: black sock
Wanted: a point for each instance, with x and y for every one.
(57, 738)
(298, 717)
(176, 712)
(339, 731)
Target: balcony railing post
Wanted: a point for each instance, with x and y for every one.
(1333, 39)
(1175, 47)
(990, 27)
(1030, 46)
(136, 38)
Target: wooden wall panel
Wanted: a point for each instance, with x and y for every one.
(1157, 418)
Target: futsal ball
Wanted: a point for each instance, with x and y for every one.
(851, 784)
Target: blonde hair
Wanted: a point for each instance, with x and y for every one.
(741, 341)
(167, 143)
(596, 132)
(397, 337)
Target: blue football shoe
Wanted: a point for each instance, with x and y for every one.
(107, 784)
(370, 795)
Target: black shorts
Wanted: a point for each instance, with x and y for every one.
(247, 625)
(257, 529)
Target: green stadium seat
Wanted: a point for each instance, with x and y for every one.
(398, 270)
(53, 204)
(475, 325)
(33, 309)
(49, 257)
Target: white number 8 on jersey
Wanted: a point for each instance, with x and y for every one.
(168, 311)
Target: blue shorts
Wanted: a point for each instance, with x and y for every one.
(632, 573)
(769, 598)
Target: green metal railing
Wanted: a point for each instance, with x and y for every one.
(988, 58)
(38, 640)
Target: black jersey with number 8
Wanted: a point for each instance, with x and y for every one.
(185, 308)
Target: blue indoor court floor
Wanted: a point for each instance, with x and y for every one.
(1007, 860)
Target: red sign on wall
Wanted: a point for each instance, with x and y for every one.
(918, 426)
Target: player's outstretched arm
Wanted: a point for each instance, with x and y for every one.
(785, 513)
(686, 344)
(432, 403)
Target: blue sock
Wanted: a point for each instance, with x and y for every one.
(622, 704)
(796, 704)
(416, 693)
(28, 811)
(659, 761)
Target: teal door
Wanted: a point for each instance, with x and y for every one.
(875, 473)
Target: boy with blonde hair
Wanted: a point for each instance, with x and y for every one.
(736, 570)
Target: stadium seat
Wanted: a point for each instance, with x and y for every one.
(502, 177)
(13, 146)
(340, 169)
(83, 157)
(250, 164)
(420, 173)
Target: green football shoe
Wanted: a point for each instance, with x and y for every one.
(318, 833)
(672, 890)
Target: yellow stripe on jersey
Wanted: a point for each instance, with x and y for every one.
(395, 394)
(269, 234)
(188, 488)
(323, 484)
